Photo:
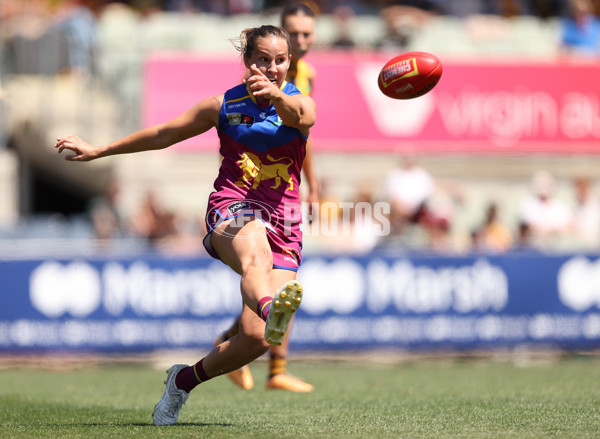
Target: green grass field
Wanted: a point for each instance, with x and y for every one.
(425, 399)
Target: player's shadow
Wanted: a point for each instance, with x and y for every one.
(150, 425)
(196, 424)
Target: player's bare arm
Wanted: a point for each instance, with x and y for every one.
(193, 122)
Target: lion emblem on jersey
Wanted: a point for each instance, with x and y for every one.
(254, 171)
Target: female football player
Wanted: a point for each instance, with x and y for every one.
(253, 216)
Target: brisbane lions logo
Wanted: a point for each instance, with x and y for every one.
(254, 171)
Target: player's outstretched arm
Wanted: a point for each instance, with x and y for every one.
(193, 122)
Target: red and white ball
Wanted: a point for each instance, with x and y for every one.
(410, 75)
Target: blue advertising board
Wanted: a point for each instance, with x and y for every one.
(373, 301)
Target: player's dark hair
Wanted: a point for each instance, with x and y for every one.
(246, 44)
(296, 9)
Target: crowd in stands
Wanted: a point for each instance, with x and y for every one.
(413, 211)
(421, 214)
(459, 8)
(152, 225)
(62, 35)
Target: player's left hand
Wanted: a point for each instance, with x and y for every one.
(260, 86)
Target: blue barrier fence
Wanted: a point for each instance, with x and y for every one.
(379, 300)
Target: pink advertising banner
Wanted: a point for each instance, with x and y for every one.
(509, 107)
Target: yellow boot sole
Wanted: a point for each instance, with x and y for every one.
(284, 306)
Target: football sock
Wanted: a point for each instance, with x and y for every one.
(262, 309)
(190, 377)
(277, 365)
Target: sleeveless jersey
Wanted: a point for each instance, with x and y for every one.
(303, 77)
(262, 161)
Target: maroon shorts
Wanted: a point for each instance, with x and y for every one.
(286, 249)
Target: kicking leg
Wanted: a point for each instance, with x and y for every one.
(278, 376)
(245, 248)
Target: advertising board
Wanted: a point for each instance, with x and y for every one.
(374, 301)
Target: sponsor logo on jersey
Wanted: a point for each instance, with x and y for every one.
(287, 258)
(240, 119)
(233, 208)
(240, 213)
(290, 254)
(241, 104)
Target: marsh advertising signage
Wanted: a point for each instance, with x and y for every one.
(484, 107)
(375, 301)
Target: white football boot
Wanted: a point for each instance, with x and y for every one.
(167, 409)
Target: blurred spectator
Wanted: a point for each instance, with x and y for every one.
(186, 239)
(420, 216)
(466, 8)
(182, 6)
(74, 23)
(357, 228)
(586, 214)
(363, 222)
(344, 16)
(524, 240)
(424, 5)
(318, 223)
(408, 187)
(328, 203)
(276, 6)
(23, 25)
(580, 29)
(152, 221)
(487, 27)
(492, 235)
(511, 8)
(545, 9)
(40, 39)
(104, 214)
(439, 215)
(242, 6)
(146, 8)
(401, 23)
(439, 238)
(548, 217)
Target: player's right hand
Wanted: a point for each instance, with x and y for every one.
(260, 85)
(83, 151)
